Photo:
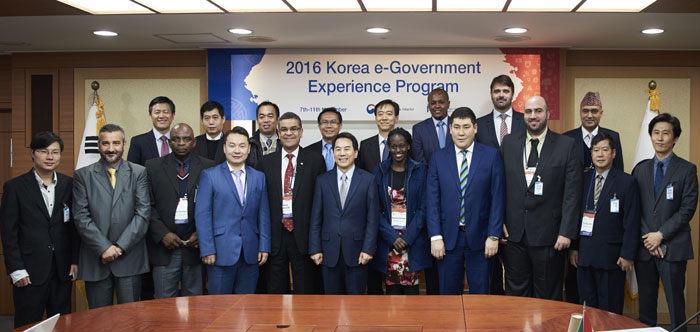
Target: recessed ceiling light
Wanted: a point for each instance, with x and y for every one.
(614, 5)
(257, 6)
(325, 5)
(515, 30)
(398, 5)
(652, 31)
(181, 6)
(471, 5)
(378, 30)
(105, 33)
(108, 7)
(240, 31)
(542, 5)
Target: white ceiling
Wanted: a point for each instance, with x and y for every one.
(346, 30)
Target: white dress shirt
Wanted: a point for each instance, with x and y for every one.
(159, 142)
(218, 137)
(497, 122)
(285, 163)
(528, 145)
(585, 132)
(382, 145)
(243, 179)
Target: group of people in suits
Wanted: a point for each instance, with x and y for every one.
(501, 200)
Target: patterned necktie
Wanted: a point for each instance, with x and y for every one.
(587, 140)
(288, 222)
(343, 189)
(385, 152)
(463, 174)
(330, 162)
(532, 159)
(441, 134)
(504, 127)
(239, 185)
(112, 177)
(164, 148)
(269, 142)
(658, 179)
(181, 172)
(598, 189)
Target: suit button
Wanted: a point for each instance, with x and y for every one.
(240, 234)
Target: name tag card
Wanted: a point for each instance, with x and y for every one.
(287, 206)
(398, 218)
(529, 174)
(587, 223)
(539, 187)
(614, 204)
(181, 211)
(669, 192)
(66, 213)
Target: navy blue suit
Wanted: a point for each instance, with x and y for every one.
(143, 148)
(233, 231)
(416, 234)
(342, 233)
(487, 134)
(425, 139)
(584, 153)
(601, 283)
(484, 215)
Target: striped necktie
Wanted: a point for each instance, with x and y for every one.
(463, 174)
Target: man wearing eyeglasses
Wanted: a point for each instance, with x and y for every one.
(290, 174)
(330, 123)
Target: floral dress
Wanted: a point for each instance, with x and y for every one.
(397, 262)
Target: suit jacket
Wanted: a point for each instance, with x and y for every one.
(352, 227)
(106, 216)
(614, 234)
(316, 147)
(200, 149)
(415, 235)
(486, 133)
(483, 199)
(309, 166)
(224, 225)
(256, 150)
(670, 217)
(425, 140)
(143, 147)
(165, 195)
(554, 213)
(369, 157)
(577, 135)
(29, 233)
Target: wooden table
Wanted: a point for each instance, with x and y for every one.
(292, 313)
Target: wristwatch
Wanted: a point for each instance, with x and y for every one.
(495, 238)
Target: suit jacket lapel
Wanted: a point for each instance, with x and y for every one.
(101, 176)
(59, 198)
(352, 189)
(154, 145)
(609, 183)
(195, 168)
(335, 189)
(375, 152)
(168, 165)
(276, 183)
(123, 175)
(520, 156)
(578, 145)
(476, 161)
(545, 155)
(672, 167)
(298, 174)
(35, 192)
(226, 174)
(490, 128)
(452, 167)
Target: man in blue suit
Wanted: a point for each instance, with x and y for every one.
(344, 221)
(232, 216)
(465, 231)
(609, 232)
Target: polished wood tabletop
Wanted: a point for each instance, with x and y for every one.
(322, 313)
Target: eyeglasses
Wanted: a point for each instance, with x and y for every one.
(292, 129)
(332, 123)
(44, 152)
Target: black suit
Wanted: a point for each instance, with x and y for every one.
(534, 222)
(142, 148)
(201, 149)
(316, 147)
(486, 133)
(291, 247)
(583, 153)
(671, 218)
(369, 157)
(45, 246)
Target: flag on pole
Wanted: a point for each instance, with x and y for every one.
(89, 152)
(585, 325)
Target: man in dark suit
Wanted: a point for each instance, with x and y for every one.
(172, 245)
(330, 123)
(432, 133)
(112, 209)
(668, 189)
(503, 120)
(233, 219)
(264, 140)
(210, 145)
(344, 221)
(465, 232)
(154, 143)
(609, 231)
(38, 235)
(290, 174)
(543, 190)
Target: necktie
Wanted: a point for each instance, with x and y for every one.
(112, 177)
(269, 142)
(385, 152)
(463, 172)
(598, 188)
(239, 185)
(504, 127)
(658, 179)
(343, 189)
(329, 156)
(164, 148)
(532, 159)
(288, 222)
(441, 134)
(181, 172)
(587, 140)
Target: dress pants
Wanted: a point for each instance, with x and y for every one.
(239, 278)
(432, 279)
(496, 282)
(342, 279)
(277, 268)
(571, 282)
(167, 278)
(533, 271)
(101, 293)
(672, 275)
(602, 289)
(31, 300)
(451, 269)
(375, 279)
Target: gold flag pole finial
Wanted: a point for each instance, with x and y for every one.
(95, 85)
(101, 120)
(654, 102)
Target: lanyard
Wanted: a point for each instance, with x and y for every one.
(588, 193)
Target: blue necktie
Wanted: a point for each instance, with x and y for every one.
(463, 172)
(385, 153)
(239, 185)
(658, 179)
(330, 162)
(441, 134)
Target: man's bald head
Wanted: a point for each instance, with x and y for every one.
(536, 113)
(182, 140)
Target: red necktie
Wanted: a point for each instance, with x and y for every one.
(164, 149)
(288, 222)
(181, 171)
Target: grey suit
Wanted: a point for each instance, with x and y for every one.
(672, 218)
(105, 217)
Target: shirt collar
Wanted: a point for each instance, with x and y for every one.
(541, 137)
(665, 161)
(470, 149)
(157, 134)
(586, 132)
(295, 153)
(41, 182)
(218, 137)
(497, 114)
(435, 121)
(263, 138)
(381, 139)
(107, 167)
(230, 169)
(604, 174)
(349, 173)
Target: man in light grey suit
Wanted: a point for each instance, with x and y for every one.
(111, 207)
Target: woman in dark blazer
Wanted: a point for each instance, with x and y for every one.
(403, 246)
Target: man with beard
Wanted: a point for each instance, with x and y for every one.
(111, 206)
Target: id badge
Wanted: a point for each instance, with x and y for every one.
(66, 213)
(669, 192)
(181, 211)
(587, 223)
(539, 187)
(398, 218)
(614, 205)
(287, 206)
(529, 174)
